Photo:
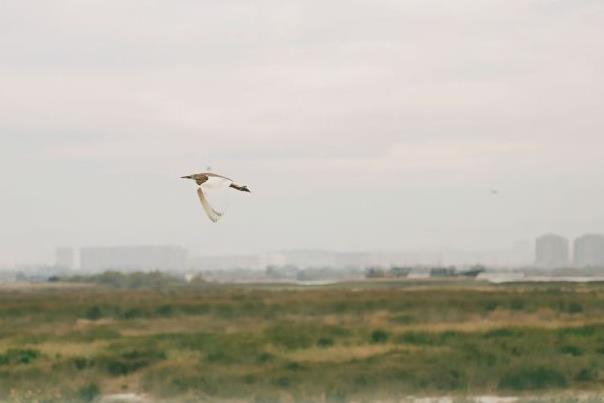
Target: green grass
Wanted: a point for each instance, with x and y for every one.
(361, 341)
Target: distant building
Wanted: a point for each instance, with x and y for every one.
(589, 251)
(552, 251)
(133, 258)
(64, 258)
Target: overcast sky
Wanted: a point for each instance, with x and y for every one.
(358, 124)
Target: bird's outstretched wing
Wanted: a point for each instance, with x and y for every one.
(212, 214)
(215, 183)
(213, 175)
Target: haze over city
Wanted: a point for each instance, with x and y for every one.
(359, 125)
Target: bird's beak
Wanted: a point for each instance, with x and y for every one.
(185, 177)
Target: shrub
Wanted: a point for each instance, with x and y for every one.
(451, 379)
(224, 310)
(582, 331)
(294, 366)
(93, 333)
(133, 313)
(403, 319)
(283, 382)
(379, 336)
(574, 308)
(417, 338)
(503, 332)
(164, 310)
(89, 392)
(265, 357)
(325, 342)
(572, 350)
(586, 375)
(220, 356)
(249, 379)
(517, 305)
(17, 356)
(94, 313)
(533, 379)
(231, 349)
(130, 361)
(81, 363)
(173, 381)
(289, 337)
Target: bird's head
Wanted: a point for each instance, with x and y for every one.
(245, 189)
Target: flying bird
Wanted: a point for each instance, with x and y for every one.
(209, 181)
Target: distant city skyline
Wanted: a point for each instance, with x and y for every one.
(554, 251)
(547, 251)
(129, 257)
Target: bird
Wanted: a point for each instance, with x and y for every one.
(211, 180)
(494, 192)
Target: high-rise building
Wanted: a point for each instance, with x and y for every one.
(133, 258)
(64, 258)
(552, 251)
(589, 251)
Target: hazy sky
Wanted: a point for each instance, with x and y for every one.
(358, 124)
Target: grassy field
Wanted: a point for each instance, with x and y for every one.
(360, 341)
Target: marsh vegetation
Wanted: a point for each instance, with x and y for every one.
(371, 340)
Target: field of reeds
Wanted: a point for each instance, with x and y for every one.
(361, 341)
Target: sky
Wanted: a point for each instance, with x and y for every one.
(358, 124)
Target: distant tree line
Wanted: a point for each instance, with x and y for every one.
(395, 271)
(137, 280)
(292, 272)
(399, 272)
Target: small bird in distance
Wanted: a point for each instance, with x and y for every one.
(209, 182)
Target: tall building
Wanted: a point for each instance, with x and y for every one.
(589, 251)
(64, 258)
(552, 251)
(133, 258)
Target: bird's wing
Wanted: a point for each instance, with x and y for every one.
(212, 214)
(211, 174)
(214, 183)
